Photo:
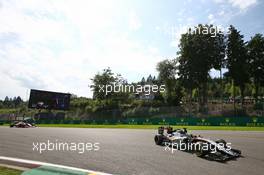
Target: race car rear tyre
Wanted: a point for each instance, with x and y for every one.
(222, 141)
(158, 139)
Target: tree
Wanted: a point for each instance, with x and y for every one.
(101, 80)
(256, 55)
(1, 104)
(17, 101)
(200, 51)
(104, 79)
(167, 75)
(149, 79)
(7, 102)
(237, 60)
(143, 81)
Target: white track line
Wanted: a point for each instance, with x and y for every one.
(50, 164)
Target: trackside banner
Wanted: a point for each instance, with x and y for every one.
(185, 121)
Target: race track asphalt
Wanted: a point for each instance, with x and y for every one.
(132, 151)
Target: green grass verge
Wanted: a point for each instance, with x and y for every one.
(230, 128)
(5, 171)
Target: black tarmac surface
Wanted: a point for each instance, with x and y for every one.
(132, 151)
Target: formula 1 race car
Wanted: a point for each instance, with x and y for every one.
(22, 124)
(180, 139)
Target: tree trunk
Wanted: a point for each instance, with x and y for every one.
(168, 85)
(203, 102)
(222, 90)
(257, 92)
(234, 97)
(242, 89)
(190, 101)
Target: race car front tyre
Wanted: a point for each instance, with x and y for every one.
(237, 152)
(158, 139)
(200, 152)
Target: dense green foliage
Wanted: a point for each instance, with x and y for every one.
(256, 54)
(199, 53)
(190, 90)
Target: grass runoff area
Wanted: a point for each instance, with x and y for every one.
(230, 128)
(9, 171)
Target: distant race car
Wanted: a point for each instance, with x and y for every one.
(218, 150)
(22, 124)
